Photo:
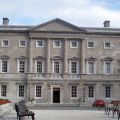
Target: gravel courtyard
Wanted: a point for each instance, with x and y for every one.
(64, 114)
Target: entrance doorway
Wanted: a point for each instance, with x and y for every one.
(56, 95)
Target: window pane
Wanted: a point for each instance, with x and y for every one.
(39, 43)
(3, 90)
(38, 91)
(4, 66)
(74, 67)
(107, 91)
(74, 91)
(21, 66)
(107, 67)
(39, 66)
(22, 43)
(91, 91)
(91, 67)
(56, 67)
(21, 91)
(90, 44)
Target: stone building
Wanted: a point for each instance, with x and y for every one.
(57, 62)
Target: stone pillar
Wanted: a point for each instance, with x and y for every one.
(48, 57)
(30, 56)
(82, 57)
(65, 57)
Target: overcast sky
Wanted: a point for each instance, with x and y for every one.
(85, 13)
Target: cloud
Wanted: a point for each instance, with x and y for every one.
(79, 12)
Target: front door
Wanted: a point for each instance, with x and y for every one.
(56, 95)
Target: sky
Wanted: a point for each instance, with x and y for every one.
(82, 13)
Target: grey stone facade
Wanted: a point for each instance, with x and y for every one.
(104, 56)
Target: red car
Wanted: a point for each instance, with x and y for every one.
(98, 103)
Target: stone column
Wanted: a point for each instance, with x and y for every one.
(65, 57)
(82, 57)
(30, 56)
(48, 56)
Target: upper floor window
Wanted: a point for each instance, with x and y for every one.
(107, 91)
(5, 43)
(3, 90)
(90, 91)
(90, 44)
(21, 66)
(39, 43)
(91, 67)
(107, 45)
(39, 66)
(74, 67)
(57, 43)
(74, 91)
(22, 43)
(21, 91)
(57, 67)
(4, 67)
(107, 67)
(38, 91)
(74, 44)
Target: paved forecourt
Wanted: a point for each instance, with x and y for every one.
(64, 114)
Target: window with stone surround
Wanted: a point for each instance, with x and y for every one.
(90, 44)
(107, 91)
(38, 91)
(108, 67)
(21, 91)
(22, 43)
(39, 43)
(91, 67)
(39, 66)
(90, 91)
(107, 45)
(73, 44)
(5, 43)
(56, 43)
(74, 91)
(22, 66)
(56, 65)
(3, 90)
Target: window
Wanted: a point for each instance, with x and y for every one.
(22, 43)
(108, 67)
(90, 45)
(39, 66)
(38, 91)
(39, 43)
(5, 43)
(57, 44)
(3, 90)
(107, 45)
(74, 44)
(21, 90)
(90, 91)
(74, 91)
(4, 66)
(21, 66)
(74, 67)
(107, 91)
(91, 67)
(56, 67)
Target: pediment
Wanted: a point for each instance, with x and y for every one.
(57, 25)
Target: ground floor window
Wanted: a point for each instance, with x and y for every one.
(74, 91)
(90, 91)
(3, 90)
(107, 91)
(21, 90)
(38, 91)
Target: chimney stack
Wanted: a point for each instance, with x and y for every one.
(5, 21)
(106, 23)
